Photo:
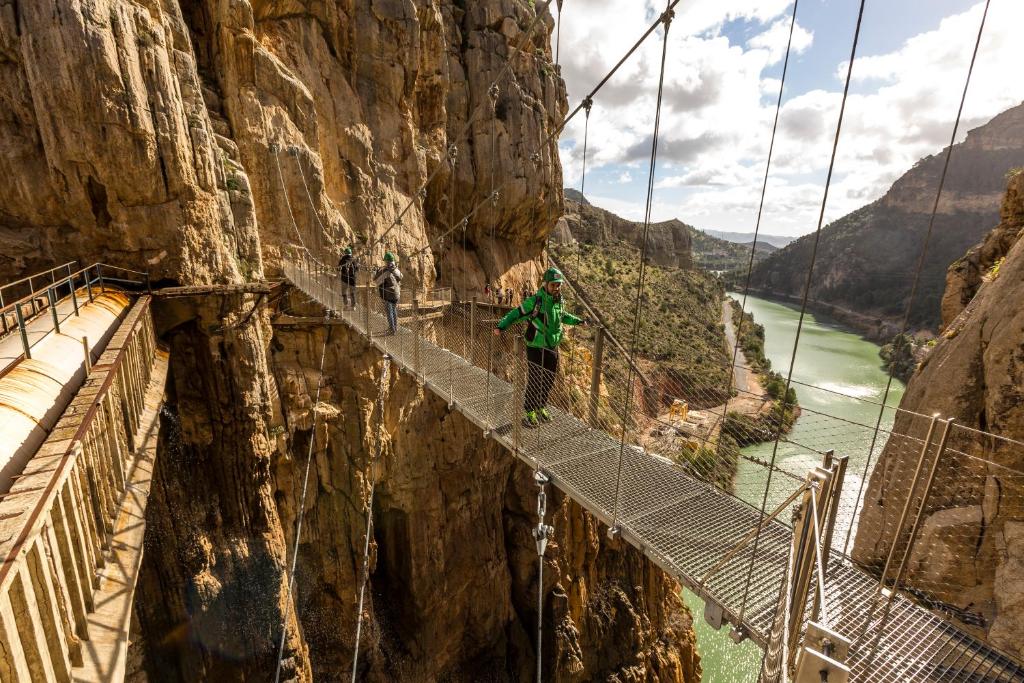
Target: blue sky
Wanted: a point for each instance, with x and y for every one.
(724, 61)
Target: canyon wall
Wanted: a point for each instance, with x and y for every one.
(970, 557)
(198, 139)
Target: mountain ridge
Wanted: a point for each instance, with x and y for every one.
(851, 272)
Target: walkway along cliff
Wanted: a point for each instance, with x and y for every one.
(195, 139)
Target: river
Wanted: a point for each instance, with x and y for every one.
(850, 381)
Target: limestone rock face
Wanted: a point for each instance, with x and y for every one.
(453, 566)
(669, 242)
(969, 551)
(198, 139)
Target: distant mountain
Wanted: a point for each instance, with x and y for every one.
(673, 243)
(777, 241)
(866, 259)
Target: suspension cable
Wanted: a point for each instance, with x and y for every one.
(583, 199)
(369, 511)
(803, 305)
(666, 18)
(920, 267)
(760, 211)
(558, 34)
(301, 512)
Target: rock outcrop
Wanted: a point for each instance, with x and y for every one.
(970, 556)
(852, 273)
(669, 242)
(197, 139)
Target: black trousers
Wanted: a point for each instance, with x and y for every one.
(541, 366)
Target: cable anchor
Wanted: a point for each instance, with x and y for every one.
(588, 103)
(542, 532)
(453, 151)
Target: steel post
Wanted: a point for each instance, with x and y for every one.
(74, 297)
(417, 368)
(595, 376)
(21, 328)
(472, 329)
(51, 298)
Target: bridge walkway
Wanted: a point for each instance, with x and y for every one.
(72, 523)
(690, 528)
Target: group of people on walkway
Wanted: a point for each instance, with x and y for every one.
(542, 311)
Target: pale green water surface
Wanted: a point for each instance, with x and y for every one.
(839, 362)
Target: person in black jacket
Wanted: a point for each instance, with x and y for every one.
(347, 269)
(389, 283)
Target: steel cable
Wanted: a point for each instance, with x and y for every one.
(807, 290)
(301, 511)
(666, 18)
(920, 265)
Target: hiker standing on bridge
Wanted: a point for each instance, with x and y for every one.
(347, 269)
(545, 317)
(388, 279)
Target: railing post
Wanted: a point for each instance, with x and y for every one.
(31, 296)
(149, 285)
(366, 308)
(74, 297)
(88, 284)
(416, 367)
(51, 297)
(21, 328)
(595, 376)
(518, 389)
(472, 329)
(3, 313)
(99, 275)
(88, 356)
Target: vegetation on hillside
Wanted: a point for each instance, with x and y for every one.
(902, 355)
(680, 334)
(751, 338)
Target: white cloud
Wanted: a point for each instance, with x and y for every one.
(720, 98)
(777, 36)
(625, 178)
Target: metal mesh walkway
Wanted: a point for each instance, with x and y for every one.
(687, 526)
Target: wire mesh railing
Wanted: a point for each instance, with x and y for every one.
(687, 504)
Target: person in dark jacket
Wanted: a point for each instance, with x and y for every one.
(389, 284)
(545, 317)
(347, 270)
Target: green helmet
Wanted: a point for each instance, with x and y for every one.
(348, 250)
(553, 275)
(389, 257)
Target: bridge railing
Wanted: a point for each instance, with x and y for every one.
(24, 299)
(57, 521)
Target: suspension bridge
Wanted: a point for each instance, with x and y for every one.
(81, 385)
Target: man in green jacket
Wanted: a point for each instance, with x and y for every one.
(544, 317)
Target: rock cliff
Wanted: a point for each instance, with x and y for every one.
(195, 139)
(970, 559)
(870, 287)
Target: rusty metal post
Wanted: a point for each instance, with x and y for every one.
(88, 356)
(88, 284)
(595, 376)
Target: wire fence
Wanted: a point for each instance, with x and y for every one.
(910, 541)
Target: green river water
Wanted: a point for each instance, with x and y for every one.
(839, 362)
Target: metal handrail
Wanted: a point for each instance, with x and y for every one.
(49, 291)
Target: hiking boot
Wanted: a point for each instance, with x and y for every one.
(545, 416)
(530, 419)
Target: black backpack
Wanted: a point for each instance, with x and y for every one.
(389, 289)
